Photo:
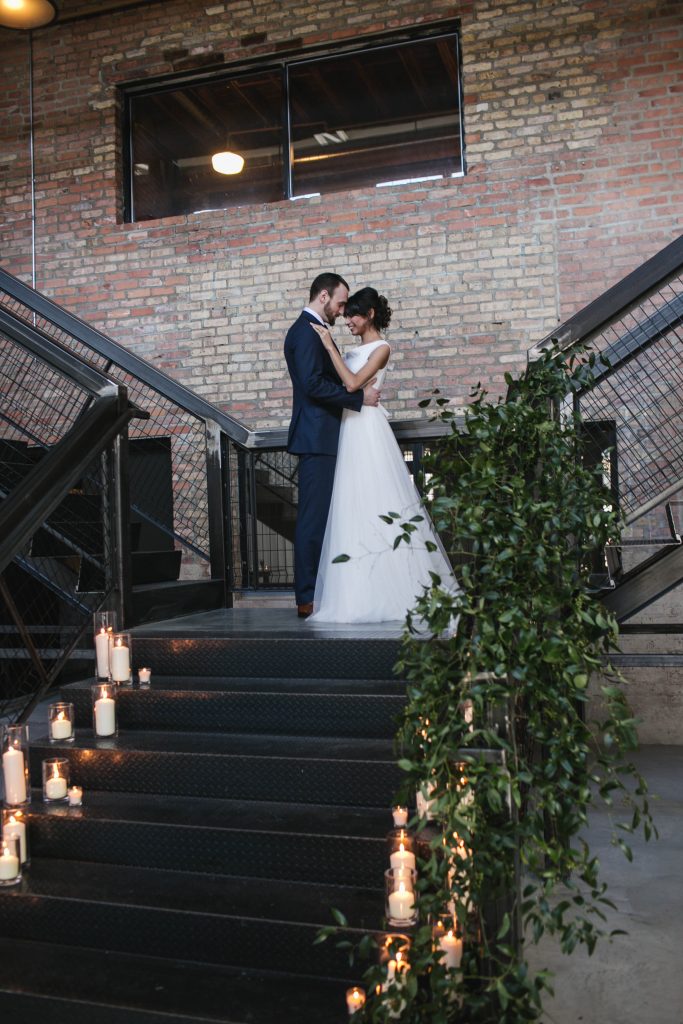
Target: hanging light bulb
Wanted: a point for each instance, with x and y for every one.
(227, 162)
(27, 14)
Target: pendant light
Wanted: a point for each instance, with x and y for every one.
(27, 14)
(227, 162)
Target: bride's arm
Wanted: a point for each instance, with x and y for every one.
(354, 381)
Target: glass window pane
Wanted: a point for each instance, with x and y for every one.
(175, 132)
(382, 115)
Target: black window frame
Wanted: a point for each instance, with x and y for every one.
(273, 63)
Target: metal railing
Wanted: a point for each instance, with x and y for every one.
(633, 413)
(62, 510)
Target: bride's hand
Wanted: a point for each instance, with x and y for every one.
(324, 335)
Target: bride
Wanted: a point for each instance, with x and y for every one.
(376, 583)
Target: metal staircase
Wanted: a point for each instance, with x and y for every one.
(633, 416)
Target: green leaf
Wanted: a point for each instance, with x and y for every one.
(341, 558)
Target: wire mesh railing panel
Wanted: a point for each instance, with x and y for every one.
(263, 508)
(168, 424)
(38, 404)
(642, 395)
(50, 590)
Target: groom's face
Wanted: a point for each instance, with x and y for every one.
(335, 303)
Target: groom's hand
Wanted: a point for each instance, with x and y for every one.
(371, 395)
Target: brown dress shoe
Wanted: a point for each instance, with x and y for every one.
(304, 610)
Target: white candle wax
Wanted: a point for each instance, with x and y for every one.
(13, 829)
(120, 662)
(451, 950)
(75, 796)
(55, 788)
(355, 999)
(144, 675)
(9, 865)
(105, 716)
(60, 727)
(102, 653)
(402, 859)
(15, 776)
(401, 904)
(400, 815)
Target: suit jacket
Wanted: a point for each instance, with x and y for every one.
(319, 396)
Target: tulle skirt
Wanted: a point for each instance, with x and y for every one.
(377, 583)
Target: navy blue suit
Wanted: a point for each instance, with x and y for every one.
(319, 399)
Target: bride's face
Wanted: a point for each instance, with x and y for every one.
(357, 324)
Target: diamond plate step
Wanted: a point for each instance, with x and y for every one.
(184, 916)
(315, 844)
(67, 985)
(287, 657)
(165, 706)
(292, 769)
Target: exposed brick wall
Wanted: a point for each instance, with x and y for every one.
(574, 129)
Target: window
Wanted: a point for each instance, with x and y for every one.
(389, 112)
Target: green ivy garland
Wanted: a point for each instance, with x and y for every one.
(495, 731)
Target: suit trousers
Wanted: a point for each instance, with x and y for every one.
(316, 478)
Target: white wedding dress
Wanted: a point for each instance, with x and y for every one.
(377, 583)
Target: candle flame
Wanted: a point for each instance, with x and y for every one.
(119, 641)
(402, 848)
(401, 889)
(60, 716)
(103, 630)
(104, 691)
(55, 771)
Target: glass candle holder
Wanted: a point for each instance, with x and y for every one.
(14, 825)
(15, 765)
(61, 723)
(55, 780)
(10, 861)
(121, 658)
(104, 626)
(400, 816)
(104, 709)
(145, 677)
(75, 795)
(399, 883)
(355, 999)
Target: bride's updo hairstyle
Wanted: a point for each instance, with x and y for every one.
(365, 300)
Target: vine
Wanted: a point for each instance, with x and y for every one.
(495, 733)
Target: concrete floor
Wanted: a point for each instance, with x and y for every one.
(636, 978)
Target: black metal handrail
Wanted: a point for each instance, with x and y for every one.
(121, 357)
(584, 324)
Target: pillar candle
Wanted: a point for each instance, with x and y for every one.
(402, 859)
(60, 727)
(15, 776)
(55, 788)
(102, 653)
(120, 662)
(15, 829)
(401, 904)
(9, 865)
(451, 950)
(105, 716)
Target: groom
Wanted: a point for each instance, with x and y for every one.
(318, 402)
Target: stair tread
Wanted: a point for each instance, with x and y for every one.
(230, 745)
(178, 990)
(188, 892)
(270, 684)
(238, 815)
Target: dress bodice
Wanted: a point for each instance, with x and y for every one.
(356, 358)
